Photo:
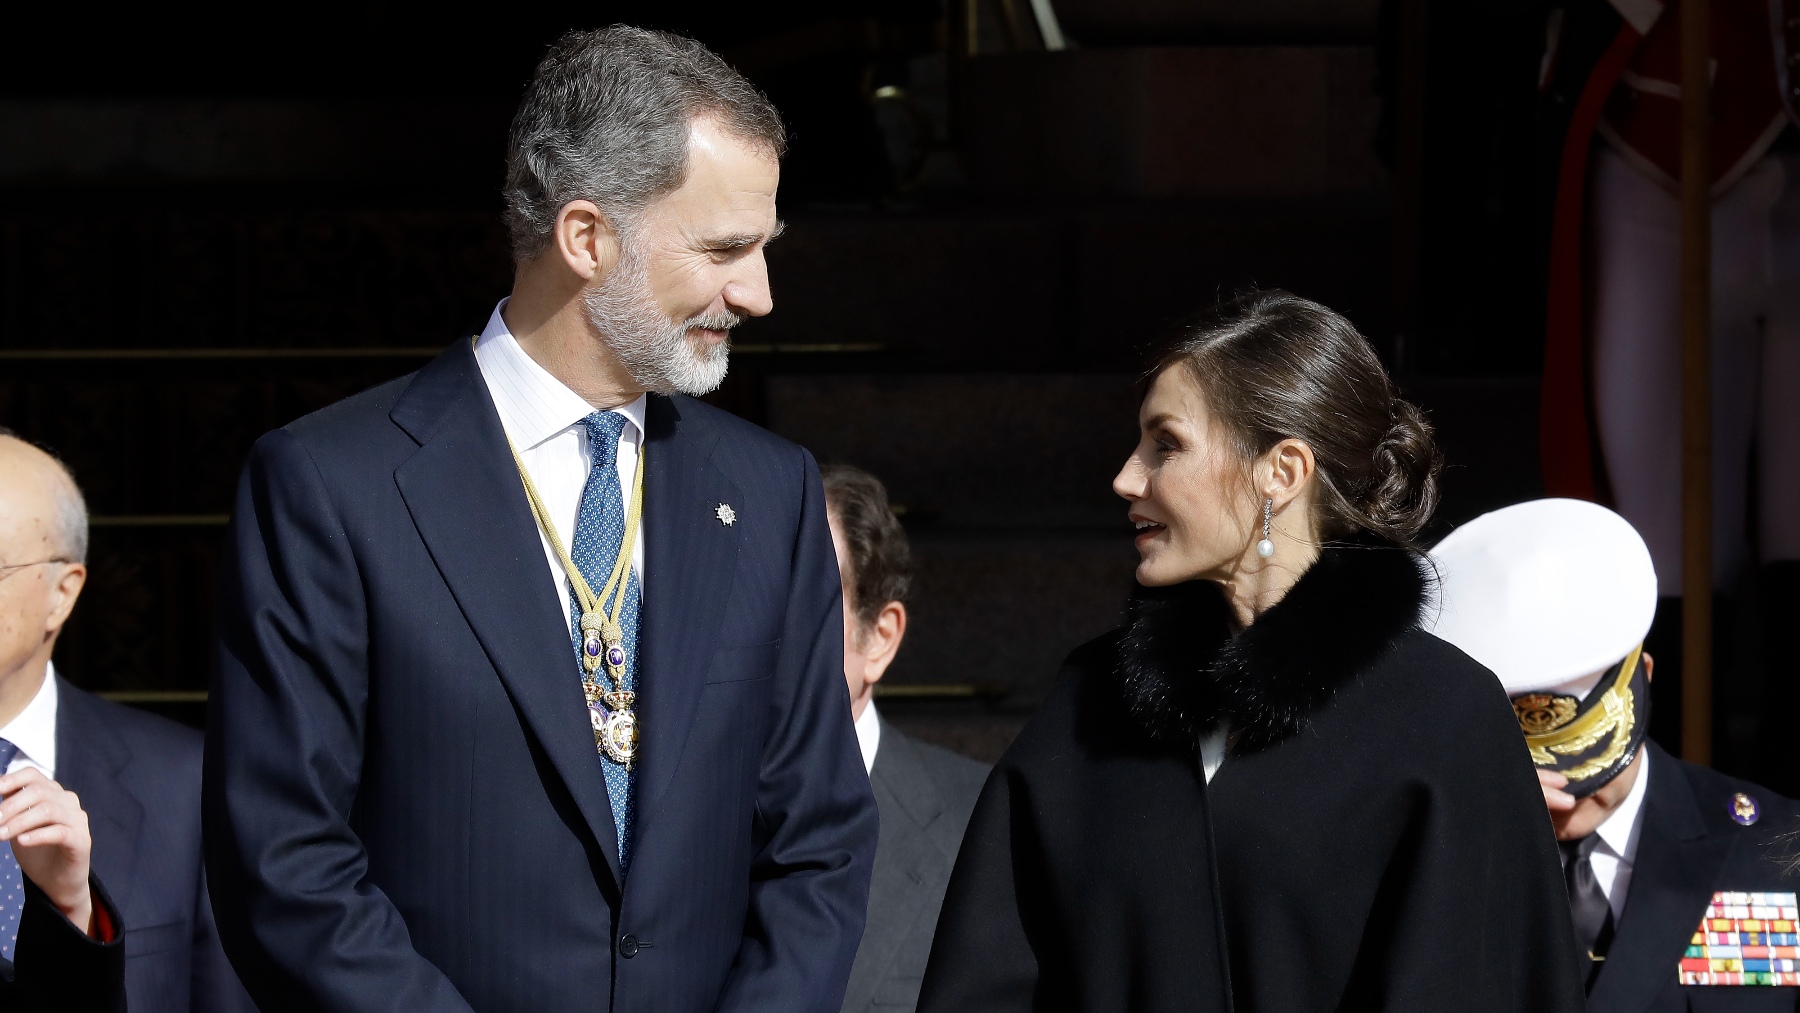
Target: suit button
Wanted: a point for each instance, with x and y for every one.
(628, 946)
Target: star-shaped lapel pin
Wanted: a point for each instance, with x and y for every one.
(725, 514)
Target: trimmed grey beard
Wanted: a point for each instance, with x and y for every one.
(655, 350)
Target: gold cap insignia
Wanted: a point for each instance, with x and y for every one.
(1609, 723)
(1544, 712)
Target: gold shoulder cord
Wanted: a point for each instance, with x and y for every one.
(610, 707)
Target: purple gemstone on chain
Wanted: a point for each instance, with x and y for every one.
(616, 657)
(592, 645)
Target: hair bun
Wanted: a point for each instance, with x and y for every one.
(1273, 366)
(1403, 488)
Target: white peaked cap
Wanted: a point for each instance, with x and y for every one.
(1548, 594)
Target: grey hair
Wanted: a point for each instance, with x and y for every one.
(606, 119)
(71, 518)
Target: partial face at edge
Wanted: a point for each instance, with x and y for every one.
(855, 665)
(34, 600)
(1189, 490)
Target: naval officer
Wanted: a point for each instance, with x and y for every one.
(1677, 884)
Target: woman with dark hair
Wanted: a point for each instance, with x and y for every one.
(1269, 792)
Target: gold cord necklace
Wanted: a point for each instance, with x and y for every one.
(602, 637)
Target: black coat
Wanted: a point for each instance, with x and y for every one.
(1689, 848)
(1375, 839)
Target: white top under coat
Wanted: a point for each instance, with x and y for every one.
(1616, 853)
(543, 417)
(868, 736)
(1212, 750)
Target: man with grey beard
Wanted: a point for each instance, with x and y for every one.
(529, 690)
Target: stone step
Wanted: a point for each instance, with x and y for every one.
(1012, 451)
(987, 451)
(1487, 428)
(1018, 289)
(1081, 287)
(1172, 121)
(1000, 612)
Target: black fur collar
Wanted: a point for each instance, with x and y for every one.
(1181, 671)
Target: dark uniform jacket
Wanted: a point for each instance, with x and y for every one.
(138, 777)
(1689, 847)
(1375, 840)
(925, 795)
(57, 968)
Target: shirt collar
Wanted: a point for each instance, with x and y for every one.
(1618, 832)
(868, 735)
(534, 405)
(34, 729)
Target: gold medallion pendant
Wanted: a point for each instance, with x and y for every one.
(615, 725)
(601, 640)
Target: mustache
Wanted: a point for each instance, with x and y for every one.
(724, 320)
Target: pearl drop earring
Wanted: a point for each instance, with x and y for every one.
(1266, 548)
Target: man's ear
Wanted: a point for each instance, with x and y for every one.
(585, 240)
(1649, 667)
(882, 640)
(63, 595)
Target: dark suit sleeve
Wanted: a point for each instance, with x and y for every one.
(215, 987)
(982, 957)
(301, 924)
(815, 815)
(58, 967)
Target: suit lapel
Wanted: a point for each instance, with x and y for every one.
(1677, 865)
(466, 500)
(90, 757)
(690, 562)
(897, 762)
(909, 866)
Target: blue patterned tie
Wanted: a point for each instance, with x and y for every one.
(599, 531)
(12, 881)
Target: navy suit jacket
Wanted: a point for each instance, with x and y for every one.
(138, 777)
(59, 968)
(404, 808)
(1689, 847)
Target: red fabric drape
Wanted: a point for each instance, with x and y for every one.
(1565, 434)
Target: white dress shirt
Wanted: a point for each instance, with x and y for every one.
(1212, 750)
(34, 730)
(1614, 856)
(868, 736)
(542, 417)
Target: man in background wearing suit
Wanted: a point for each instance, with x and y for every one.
(530, 687)
(925, 793)
(1679, 877)
(136, 775)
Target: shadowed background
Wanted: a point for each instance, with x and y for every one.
(214, 221)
